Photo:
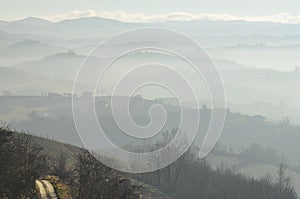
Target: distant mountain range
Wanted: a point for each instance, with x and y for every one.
(98, 27)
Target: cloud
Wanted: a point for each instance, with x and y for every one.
(279, 18)
(183, 16)
(75, 14)
(176, 16)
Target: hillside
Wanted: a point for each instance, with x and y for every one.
(26, 50)
(254, 169)
(53, 158)
(11, 78)
(61, 65)
(22, 82)
(55, 150)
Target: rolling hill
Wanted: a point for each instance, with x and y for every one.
(26, 50)
(27, 82)
(62, 65)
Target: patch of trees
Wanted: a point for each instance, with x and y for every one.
(254, 153)
(21, 164)
(96, 180)
(90, 179)
(191, 177)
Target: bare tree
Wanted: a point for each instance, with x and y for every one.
(21, 164)
(99, 181)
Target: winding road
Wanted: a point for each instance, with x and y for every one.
(45, 189)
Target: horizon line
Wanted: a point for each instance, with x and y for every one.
(123, 17)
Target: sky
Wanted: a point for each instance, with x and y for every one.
(153, 10)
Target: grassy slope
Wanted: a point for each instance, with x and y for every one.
(54, 149)
(256, 170)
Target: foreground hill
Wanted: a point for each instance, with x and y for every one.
(84, 177)
(57, 163)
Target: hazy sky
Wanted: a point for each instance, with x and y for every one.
(15, 9)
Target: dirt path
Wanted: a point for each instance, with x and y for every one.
(45, 189)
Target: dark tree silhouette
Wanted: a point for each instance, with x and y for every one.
(21, 164)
